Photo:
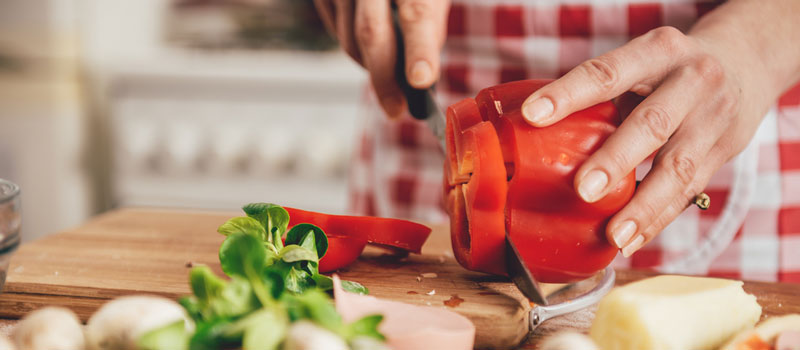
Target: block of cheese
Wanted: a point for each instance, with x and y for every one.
(673, 312)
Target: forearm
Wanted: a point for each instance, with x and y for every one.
(762, 38)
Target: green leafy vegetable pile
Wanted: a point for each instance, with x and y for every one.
(272, 284)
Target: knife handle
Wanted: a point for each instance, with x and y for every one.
(416, 99)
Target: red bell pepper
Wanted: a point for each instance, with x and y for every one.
(476, 207)
(561, 238)
(347, 235)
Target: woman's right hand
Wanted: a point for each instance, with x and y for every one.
(365, 31)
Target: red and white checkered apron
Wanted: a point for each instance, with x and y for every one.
(751, 231)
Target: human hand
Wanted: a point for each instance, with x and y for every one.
(702, 107)
(364, 29)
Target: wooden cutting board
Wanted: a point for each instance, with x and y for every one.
(150, 251)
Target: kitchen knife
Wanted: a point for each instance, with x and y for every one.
(421, 104)
(520, 274)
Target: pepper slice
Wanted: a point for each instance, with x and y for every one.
(346, 232)
(560, 237)
(477, 222)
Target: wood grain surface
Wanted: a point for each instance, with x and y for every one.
(131, 251)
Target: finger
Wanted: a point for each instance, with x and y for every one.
(637, 66)
(710, 125)
(376, 40)
(327, 14)
(674, 175)
(677, 163)
(345, 14)
(646, 129)
(424, 25)
(716, 158)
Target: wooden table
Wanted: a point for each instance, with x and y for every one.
(150, 251)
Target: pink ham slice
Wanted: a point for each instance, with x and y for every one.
(408, 326)
(788, 340)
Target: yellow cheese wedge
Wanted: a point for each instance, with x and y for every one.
(673, 312)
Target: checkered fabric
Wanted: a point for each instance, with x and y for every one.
(751, 231)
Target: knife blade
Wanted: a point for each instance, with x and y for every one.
(421, 104)
(521, 275)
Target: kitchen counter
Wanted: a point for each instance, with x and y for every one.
(150, 251)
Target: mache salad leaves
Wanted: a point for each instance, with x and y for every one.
(272, 282)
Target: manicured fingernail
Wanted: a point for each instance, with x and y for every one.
(420, 73)
(592, 185)
(538, 111)
(633, 246)
(624, 233)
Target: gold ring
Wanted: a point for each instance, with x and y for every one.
(702, 201)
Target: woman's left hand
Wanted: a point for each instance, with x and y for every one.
(704, 102)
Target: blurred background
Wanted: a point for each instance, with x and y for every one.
(172, 103)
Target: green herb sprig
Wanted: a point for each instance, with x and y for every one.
(272, 284)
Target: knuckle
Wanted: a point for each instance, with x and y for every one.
(670, 38)
(656, 123)
(414, 11)
(682, 166)
(708, 68)
(602, 70)
(368, 31)
(648, 213)
(620, 161)
(728, 105)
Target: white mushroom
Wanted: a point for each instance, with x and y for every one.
(49, 328)
(305, 335)
(120, 322)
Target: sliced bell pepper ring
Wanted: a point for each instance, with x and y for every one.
(477, 221)
(560, 237)
(460, 116)
(394, 233)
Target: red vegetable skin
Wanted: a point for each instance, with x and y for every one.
(342, 251)
(475, 190)
(494, 101)
(479, 234)
(347, 235)
(560, 237)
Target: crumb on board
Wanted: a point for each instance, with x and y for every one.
(419, 279)
(432, 292)
(454, 301)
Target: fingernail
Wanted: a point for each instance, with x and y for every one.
(420, 73)
(633, 246)
(394, 106)
(623, 233)
(592, 185)
(538, 111)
